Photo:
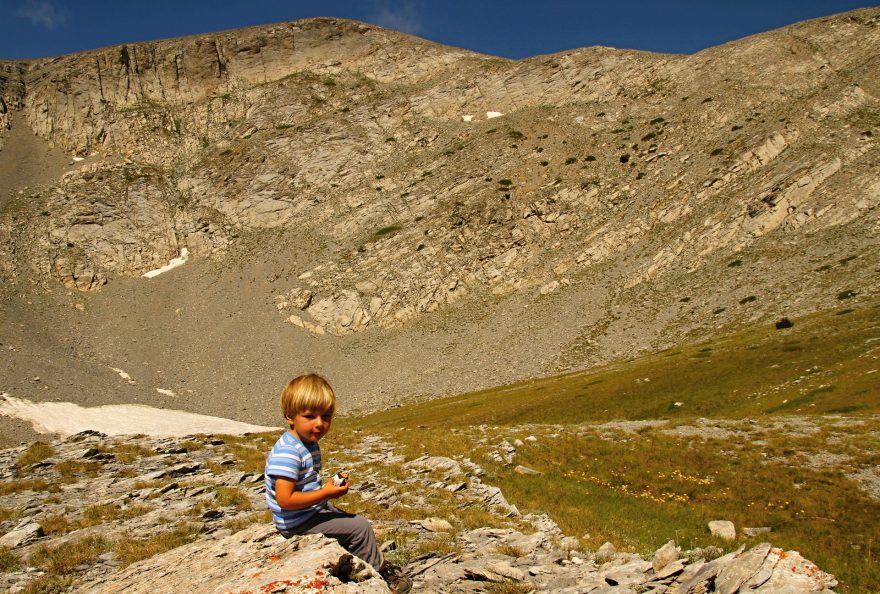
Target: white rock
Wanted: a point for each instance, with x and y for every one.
(723, 529)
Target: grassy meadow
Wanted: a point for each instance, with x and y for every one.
(765, 427)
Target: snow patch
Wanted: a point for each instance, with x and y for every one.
(467, 118)
(173, 263)
(166, 392)
(493, 114)
(123, 375)
(67, 418)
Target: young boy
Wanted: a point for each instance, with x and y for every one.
(300, 504)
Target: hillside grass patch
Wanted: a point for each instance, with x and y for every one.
(724, 445)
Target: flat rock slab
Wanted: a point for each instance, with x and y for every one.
(256, 559)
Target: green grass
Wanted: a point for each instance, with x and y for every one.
(640, 488)
(745, 374)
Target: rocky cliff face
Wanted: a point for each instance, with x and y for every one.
(595, 202)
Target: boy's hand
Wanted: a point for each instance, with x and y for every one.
(334, 491)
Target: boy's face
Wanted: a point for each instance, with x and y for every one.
(310, 426)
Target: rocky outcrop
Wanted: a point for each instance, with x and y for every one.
(256, 559)
(136, 514)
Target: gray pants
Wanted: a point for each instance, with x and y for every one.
(354, 533)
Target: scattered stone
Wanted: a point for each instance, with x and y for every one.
(664, 556)
(22, 535)
(526, 470)
(723, 529)
(434, 525)
(752, 532)
(606, 552)
(256, 558)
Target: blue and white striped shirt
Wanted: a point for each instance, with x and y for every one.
(292, 459)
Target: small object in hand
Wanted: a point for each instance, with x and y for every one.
(340, 479)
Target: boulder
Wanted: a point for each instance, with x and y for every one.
(723, 529)
(256, 559)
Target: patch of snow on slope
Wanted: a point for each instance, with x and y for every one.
(173, 263)
(67, 418)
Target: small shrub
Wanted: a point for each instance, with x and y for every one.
(706, 100)
(735, 263)
(736, 127)
(718, 310)
(504, 182)
(848, 294)
(748, 299)
(843, 312)
(589, 158)
(624, 158)
(685, 300)
(571, 160)
(516, 135)
(649, 136)
(823, 268)
(544, 163)
(716, 152)
(658, 120)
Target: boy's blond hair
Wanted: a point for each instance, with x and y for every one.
(309, 392)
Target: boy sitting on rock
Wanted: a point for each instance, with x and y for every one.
(300, 504)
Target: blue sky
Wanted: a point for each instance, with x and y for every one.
(509, 28)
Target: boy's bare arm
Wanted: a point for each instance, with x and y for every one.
(287, 498)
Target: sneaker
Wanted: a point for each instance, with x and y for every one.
(394, 577)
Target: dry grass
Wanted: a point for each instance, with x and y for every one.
(9, 561)
(128, 453)
(9, 514)
(18, 486)
(132, 550)
(48, 585)
(65, 558)
(230, 496)
(250, 450)
(509, 587)
(36, 452)
(92, 515)
(242, 521)
(75, 469)
(510, 550)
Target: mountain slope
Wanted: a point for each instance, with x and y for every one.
(352, 202)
